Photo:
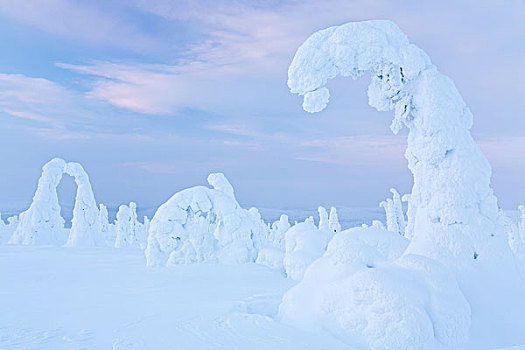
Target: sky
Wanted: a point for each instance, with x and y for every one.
(150, 96)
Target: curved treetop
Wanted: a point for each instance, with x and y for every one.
(350, 50)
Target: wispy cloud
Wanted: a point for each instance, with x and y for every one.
(84, 22)
(35, 99)
(55, 112)
(142, 88)
(31, 116)
(239, 130)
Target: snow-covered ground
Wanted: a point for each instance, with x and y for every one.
(106, 298)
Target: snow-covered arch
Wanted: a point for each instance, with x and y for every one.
(42, 222)
(453, 207)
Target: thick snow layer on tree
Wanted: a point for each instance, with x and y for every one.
(203, 224)
(108, 232)
(453, 217)
(130, 232)
(323, 218)
(395, 219)
(360, 291)
(333, 221)
(304, 243)
(125, 232)
(7, 229)
(452, 202)
(271, 251)
(42, 223)
(85, 225)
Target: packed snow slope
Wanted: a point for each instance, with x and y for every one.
(449, 288)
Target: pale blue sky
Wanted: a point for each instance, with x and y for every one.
(152, 95)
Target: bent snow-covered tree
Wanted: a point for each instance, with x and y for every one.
(423, 297)
(453, 204)
(85, 225)
(42, 223)
(203, 224)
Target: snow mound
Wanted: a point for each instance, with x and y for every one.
(202, 224)
(362, 292)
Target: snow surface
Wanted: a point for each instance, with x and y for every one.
(105, 298)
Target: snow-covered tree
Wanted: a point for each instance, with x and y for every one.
(452, 199)
(271, 251)
(130, 232)
(521, 222)
(42, 223)
(409, 229)
(453, 214)
(378, 225)
(333, 221)
(304, 243)
(323, 218)
(391, 222)
(125, 228)
(85, 225)
(103, 218)
(203, 224)
(7, 229)
(395, 219)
